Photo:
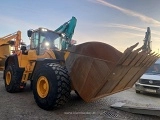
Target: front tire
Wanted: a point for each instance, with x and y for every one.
(51, 86)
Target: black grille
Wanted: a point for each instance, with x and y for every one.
(150, 82)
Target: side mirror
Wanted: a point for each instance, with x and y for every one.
(29, 33)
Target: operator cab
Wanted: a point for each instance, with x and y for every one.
(43, 39)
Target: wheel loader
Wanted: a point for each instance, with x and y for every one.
(55, 67)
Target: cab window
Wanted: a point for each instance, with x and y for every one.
(34, 40)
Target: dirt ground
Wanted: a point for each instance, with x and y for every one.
(21, 106)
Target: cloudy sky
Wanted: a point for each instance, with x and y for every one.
(120, 23)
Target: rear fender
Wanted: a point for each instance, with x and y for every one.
(12, 59)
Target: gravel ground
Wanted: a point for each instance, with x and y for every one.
(21, 106)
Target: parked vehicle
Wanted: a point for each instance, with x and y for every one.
(150, 80)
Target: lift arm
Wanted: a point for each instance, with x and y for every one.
(12, 39)
(67, 30)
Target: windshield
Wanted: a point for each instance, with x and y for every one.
(154, 69)
(49, 39)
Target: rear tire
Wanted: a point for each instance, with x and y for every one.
(51, 86)
(13, 79)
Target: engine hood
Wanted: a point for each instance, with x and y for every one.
(151, 76)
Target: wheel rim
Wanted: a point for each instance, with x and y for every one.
(8, 77)
(42, 87)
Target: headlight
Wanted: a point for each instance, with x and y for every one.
(46, 44)
(43, 29)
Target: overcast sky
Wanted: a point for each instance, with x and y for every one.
(120, 23)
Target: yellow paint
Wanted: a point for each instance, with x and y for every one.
(28, 61)
(8, 77)
(42, 87)
(5, 50)
(47, 54)
(66, 55)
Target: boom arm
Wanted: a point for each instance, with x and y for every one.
(67, 29)
(9, 39)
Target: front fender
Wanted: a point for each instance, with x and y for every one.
(42, 61)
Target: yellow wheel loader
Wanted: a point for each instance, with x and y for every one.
(55, 67)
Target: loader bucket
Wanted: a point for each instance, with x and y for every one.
(98, 69)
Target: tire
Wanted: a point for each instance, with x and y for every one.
(51, 86)
(12, 79)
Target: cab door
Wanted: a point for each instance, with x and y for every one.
(35, 42)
